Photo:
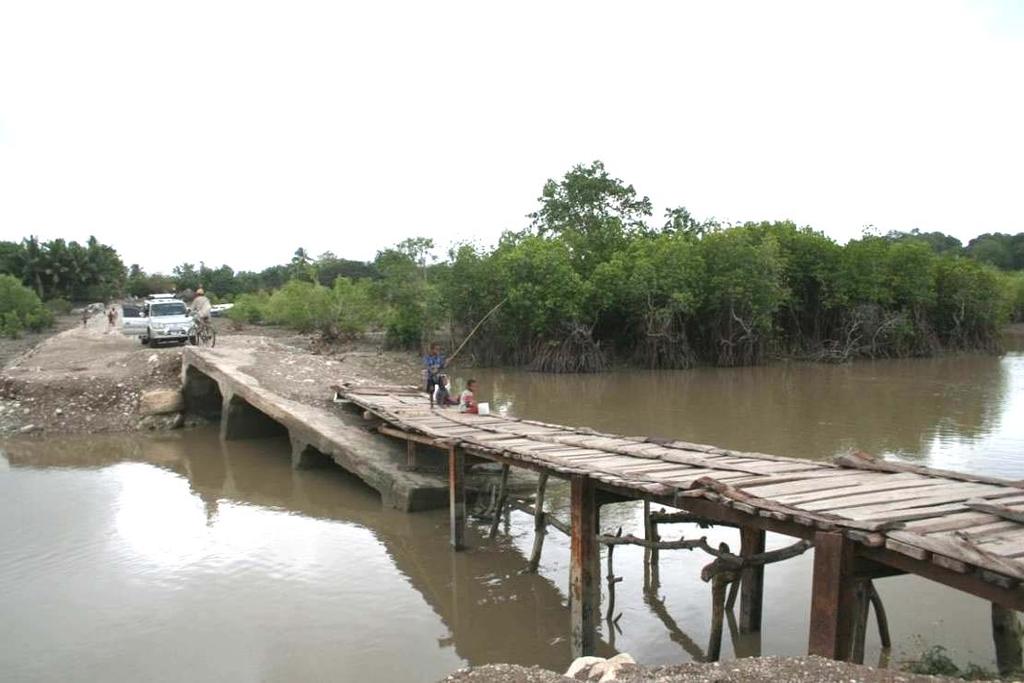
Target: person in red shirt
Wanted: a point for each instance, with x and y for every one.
(467, 399)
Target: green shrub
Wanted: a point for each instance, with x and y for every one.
(1013, 284)
(300, 305)
(972, 303)
(20, 308)
(250, 308)
(59, 306)
(355, 308)
(342, 311)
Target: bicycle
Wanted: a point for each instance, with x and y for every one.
(204, 333)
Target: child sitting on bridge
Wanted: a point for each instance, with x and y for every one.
(467, 400)
(442, 392)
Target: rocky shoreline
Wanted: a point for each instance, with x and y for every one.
(749, 670)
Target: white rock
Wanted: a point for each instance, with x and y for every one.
(582, 663)
(27, 428)
(58, 412)
(612, 667)
(161, 401)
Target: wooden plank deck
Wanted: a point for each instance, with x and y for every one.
(957, 523)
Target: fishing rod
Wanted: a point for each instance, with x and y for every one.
(473, 331)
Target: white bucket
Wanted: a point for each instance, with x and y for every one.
(483, 408)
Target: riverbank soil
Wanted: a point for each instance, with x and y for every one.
(747, 670)
(83, 379)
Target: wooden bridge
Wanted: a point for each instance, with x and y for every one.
(866, 518)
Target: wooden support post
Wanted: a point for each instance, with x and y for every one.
(499, 509)
(833, 599)
(539, 527)
(410, 454)
(1006, 632)
(457, 496)
(751, 581)
(612, 580)
(719, 585)
(860, 622)
(583, 579)
(652, 577)
(880, 617)
(734, 590)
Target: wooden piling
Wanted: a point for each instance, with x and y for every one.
(652, 576)
(751, 581)
(539, 526)
(860, 621)
(612, 580)
(499, 508)
(880, 617)
(719, 586)
(410, 454)
(457, 496)
(583, 579)
(1006, 632)
(833, 598)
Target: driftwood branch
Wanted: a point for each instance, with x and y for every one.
(743, 561)
(630, 539)
(662, 517)
(548, 519)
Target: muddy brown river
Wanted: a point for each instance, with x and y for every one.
(183, 558)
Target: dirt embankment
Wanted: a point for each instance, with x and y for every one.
(84, 379)
(88, 379)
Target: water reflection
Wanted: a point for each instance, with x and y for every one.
(231, 535)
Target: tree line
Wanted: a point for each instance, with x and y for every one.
(592, 279)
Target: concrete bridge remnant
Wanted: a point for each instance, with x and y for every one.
(232, 386)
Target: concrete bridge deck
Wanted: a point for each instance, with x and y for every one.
(238, 387)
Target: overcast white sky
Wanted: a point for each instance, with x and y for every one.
(237, 131)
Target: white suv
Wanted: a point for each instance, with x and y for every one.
(169, 321)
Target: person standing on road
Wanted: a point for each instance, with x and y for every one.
(111, 319)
